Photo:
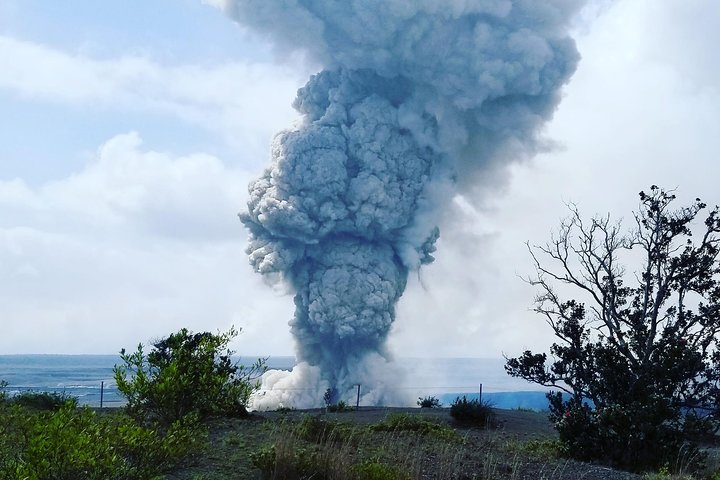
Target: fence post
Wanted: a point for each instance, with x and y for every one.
(102, 391)
(357, 402)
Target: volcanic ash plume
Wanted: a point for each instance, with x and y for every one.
(414, 96)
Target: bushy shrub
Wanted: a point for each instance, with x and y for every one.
(636, 435)
(77, 444)
(186, 373)
(664, 474)
(288, 461)
(317, 430)
(264, 460)
(374, 470)
(37, 400)
(541, 449)
(429, 402)
(339, 407)
(472, 412)
(44, 400)
(403, 422)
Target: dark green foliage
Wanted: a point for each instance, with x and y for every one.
(543, 449)
(315, 429)
(313, 448)
(264, 459)
(635, 435)
(43, 400)
(374, 470)
(403, 422)
(428, 402)
(77, 444)
(290, 462)
(317, 448)
(472, 412)
(37, 400)
(640, 365)
(186, 373)
(339, 407)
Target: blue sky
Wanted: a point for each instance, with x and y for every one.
(130, 129)
(165, 35)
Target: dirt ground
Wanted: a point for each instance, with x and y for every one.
(513, 423)
(483, 454)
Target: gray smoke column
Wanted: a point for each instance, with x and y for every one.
(415, 96)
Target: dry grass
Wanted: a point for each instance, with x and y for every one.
(387, 444)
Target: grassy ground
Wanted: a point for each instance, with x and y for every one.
(386, 444)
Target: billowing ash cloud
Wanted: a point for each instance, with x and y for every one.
(415, 96)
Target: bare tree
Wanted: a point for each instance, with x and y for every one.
(642, 354)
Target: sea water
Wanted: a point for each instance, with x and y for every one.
(90, 377)
(87, 377)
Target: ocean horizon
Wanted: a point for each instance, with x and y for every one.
(90, 377)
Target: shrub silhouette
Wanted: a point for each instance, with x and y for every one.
(429, 402)
(472, 412)
(639, 363)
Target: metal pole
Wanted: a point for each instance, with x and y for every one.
(357, 403)
(102, 391)
(480, 397)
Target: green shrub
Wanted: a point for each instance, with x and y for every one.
(44, 400)
(287, 461)
(16, 423)
(3, 393)
(77, 444)
(429, 402)
(636, 435)
(317, 430)
(403, 422)
(664, 474)
(472, 412)
(339, 407)
(373, 470)
(186, 373)
(264, 460)
(545, 449)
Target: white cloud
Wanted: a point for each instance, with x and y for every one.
(639, 111)
(242, 101)
(136, 245)
(215, 3)
(681, 34)
(139, 242)
(130, 191)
